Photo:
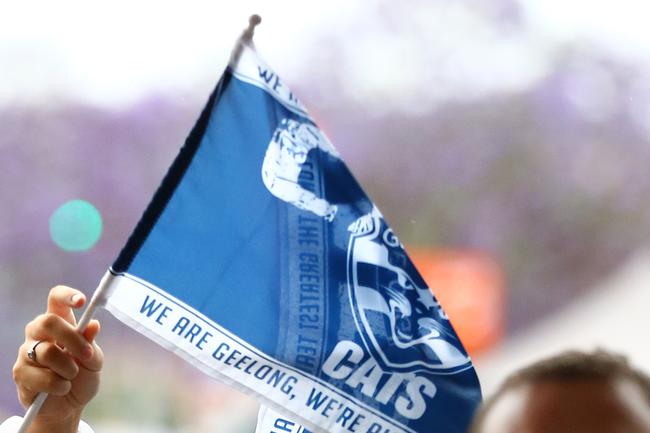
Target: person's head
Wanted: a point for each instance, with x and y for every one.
(573, 392)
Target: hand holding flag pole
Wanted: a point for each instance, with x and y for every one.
(98, 300)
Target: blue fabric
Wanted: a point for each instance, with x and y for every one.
(213, 245)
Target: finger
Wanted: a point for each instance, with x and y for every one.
(49, 355)
(91, 331)
(62, 300)
(95, 363)
(50, 327)
(31, 380)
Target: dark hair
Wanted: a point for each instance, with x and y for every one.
(568, 366)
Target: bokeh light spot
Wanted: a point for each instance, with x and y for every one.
(76, 226)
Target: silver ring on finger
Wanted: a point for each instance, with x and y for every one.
(32, 352)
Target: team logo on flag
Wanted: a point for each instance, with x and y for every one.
(401, 323)
(284, 160)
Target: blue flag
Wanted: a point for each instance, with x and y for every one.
(261, 261)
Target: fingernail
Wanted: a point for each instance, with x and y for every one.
(75, 299)
(87, 353)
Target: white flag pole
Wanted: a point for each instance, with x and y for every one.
(252, 22)
(98, 300)
(246, 38)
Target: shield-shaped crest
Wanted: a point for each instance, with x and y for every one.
(399, 319)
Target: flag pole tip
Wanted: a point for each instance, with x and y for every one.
(253, 21)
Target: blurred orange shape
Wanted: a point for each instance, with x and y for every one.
(470, 287)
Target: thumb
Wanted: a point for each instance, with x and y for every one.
(92, 330)
(94, 364)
